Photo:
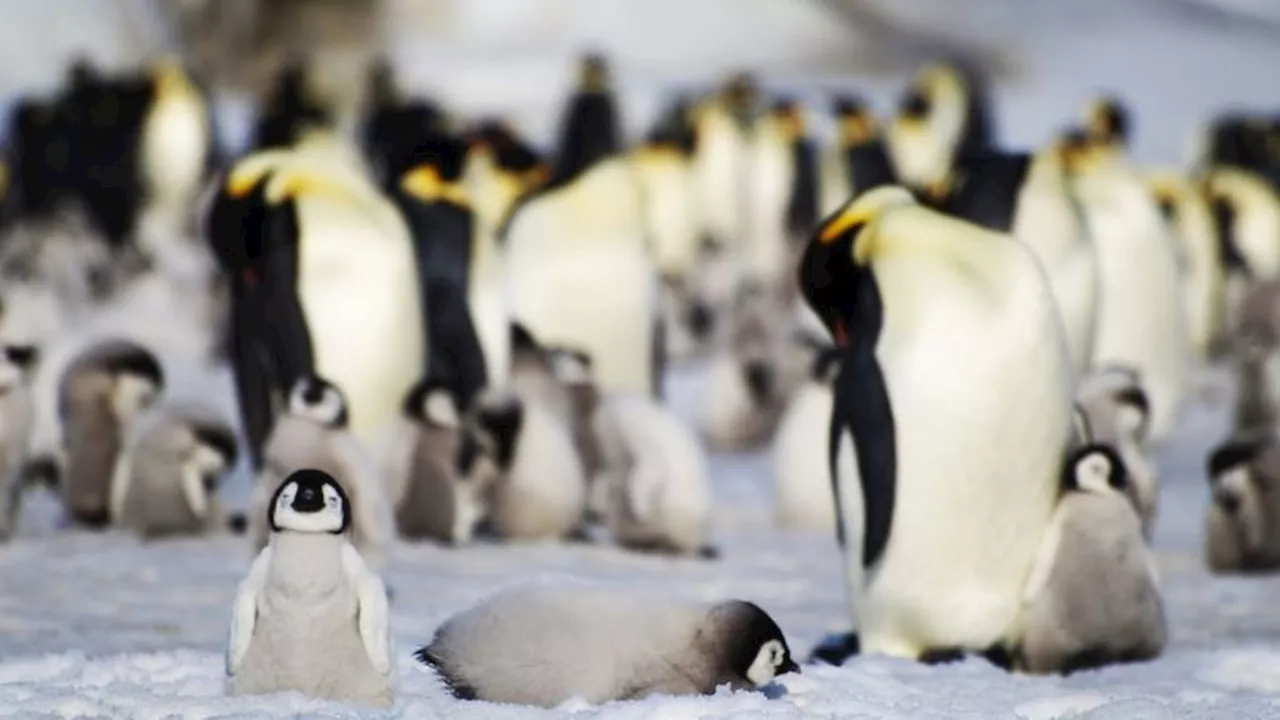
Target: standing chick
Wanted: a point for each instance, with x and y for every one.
(1243, 524)
(166, 480)
(1112, 409)
(1093, 596)
(311, 617)
(100, 395)
(313, 433)
(15, 428)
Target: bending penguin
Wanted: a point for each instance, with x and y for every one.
(167, 478)
(583, 236)
(602, 645)
(926, 456)
(311, 617)
(1093, 597)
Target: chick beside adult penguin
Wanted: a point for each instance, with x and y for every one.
(1093, 598)
(544, 644)
(16, 408)
(311, 617)
(1241, 531)
(914, 299)
(1112, 409)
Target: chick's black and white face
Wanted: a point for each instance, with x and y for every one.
(309, 506)
(1098, 469)
(772, 660)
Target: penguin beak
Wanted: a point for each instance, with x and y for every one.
(789, 666)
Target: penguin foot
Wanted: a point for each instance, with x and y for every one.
(941, 656)
(709, 552)
(580, 536)
(42, 470)
(835, 649)
(999, 656)
(237, 523)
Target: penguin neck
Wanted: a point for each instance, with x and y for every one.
(307, 564)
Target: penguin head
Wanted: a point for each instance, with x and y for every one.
(169, 79)
(756, 650)
(835, 268)
(855, 123)
(790, 118)
(433, 402)
(213, 453)
(674, 129)
(1120, 386)
(929, 127)
(494, 430)
(1108, 122)
(740, 95)
(1239, 483)
(310, 501)
(1095, 468)
(320, 401)
(1081, 152)
(593, 73)
(381, 88)
(508, 152)
(137, 380)
(16, 362)
(434, 170)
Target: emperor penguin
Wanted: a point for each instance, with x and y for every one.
(802, 498)
(393, 123)
(1246, 214)
(781, 191)
(1141, 322)
(311, 616)
(590, 127)
(100, 395)
(654, 485)
(860, 161)
(1112, 409)
(583, 235)
(1242, 533)
(37, 160)
(664, 170)
(424, 486)
(1254, 344)
(1093, 598)
(16, 408)
(436, 205)
(902, 288)
(167, 479)
(314, 432)
(290, 108)
(177, 145)
(543, 644)
(720, 161)
(1186, 207)
(310, 236)
(521, 455)
(942, 117)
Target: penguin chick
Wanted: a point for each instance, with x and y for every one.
(1112, 409)
(16, 408)
(752, 377)
(802, 497)
(167, 478)
(313, 432)
(523, 454)
(428, 497)
(100, 394)
(654, 485)
(541, 645)
(1255, 350)
(1243, 523)
(1093, 596)
(311, 617)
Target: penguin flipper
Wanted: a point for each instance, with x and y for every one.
(245, 612)
(371, 612)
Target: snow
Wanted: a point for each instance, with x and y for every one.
(107, 626)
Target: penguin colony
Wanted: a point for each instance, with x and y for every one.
(959, 354)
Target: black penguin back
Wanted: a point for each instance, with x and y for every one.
(986, 187)
(39, 157)
(589, 129)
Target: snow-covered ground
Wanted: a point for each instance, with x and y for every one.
(105, 626)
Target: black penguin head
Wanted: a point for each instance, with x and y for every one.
(497, 426)
(137, 378)
(511, 154)
(1094, 468)
(856, 125)
(434, 402)
(836, 266)
(1108, 121)
(593, 73)
(756, 650)
(790, 116)
(740, 95)
(432, 172)
(310, 501)
(382, 89)
(216, 451)
(320, 401)
(1234, 454)
(674, 129)
(23, 357)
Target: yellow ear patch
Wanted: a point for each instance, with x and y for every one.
(285, 185)
(424, 183)
(856, 129)
(843, 223)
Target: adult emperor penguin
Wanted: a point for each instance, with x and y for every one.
(861, 161)
(1246, 214)
(781, 190)
(1186, 208)
(583, 236)
(802, 498)
(100, 395)
(314, 236)
(1141, 322)
(544, 644)
(16, 408)
(935, 472)
(167, 478)
(313, 432)
(427, 189)
(942, 118)
(1093, 597)
(393, 123)
(665, 173)
(289, 109)
(589, 129)
(1242, 531)
(177, 144)
(720, 161)
(311, 617)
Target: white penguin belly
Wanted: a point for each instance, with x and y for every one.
(491, 317)
(979, 441)
(669, 213)
(768, 192)
(1140, 321)
(175, 146)
(718, 172)
(602, 300)
(359, 291)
